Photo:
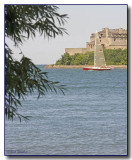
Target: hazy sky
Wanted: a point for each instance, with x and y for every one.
(83, 20)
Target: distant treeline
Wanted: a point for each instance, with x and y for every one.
(112, 57)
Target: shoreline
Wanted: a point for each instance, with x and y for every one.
(53, 66)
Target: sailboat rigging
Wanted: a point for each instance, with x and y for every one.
(99, 59)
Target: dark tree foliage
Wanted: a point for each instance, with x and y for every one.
(23, 77)
(22, 21)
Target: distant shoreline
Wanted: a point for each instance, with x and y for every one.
(53, 66)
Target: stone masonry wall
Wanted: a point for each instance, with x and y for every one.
(109, 38)
(72, 51)
(116, 47)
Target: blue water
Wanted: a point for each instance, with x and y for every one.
(90, 119)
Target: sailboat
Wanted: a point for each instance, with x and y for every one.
(99, 59)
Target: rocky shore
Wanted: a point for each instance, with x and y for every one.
(52, 66)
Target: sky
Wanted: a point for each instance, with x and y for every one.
(83, 21)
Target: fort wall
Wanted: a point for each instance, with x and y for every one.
(116, 47)
(109, 39)
(72, 51)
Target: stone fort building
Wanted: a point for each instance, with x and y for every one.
(109, 39)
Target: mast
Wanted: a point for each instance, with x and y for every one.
(95, 48)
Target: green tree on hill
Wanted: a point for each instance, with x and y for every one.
(23, 77)
(112, 57)
(66, 59)
(115, 56)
